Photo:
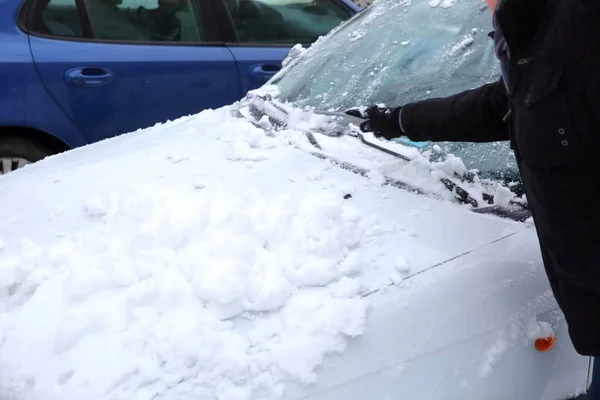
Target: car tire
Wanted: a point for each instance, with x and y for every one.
(17, 151)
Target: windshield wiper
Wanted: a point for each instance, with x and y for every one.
(260, 106)
(461, 193)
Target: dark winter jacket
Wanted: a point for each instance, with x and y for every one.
(549, 109)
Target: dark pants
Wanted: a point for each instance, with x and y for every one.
(569, 232)
(594, 391)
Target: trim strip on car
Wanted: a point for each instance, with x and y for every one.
(263, 45)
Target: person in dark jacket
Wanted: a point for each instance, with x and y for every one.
(547, 104)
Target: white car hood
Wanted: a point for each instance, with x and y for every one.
(58, 195)
(435, 279)
(463, 330)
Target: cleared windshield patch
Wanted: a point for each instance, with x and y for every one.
(409, 142)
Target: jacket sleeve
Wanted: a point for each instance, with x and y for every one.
(475, 115)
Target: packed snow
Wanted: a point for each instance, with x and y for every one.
(295, 52)
(189, 290)
(356, 35)
(193, 281)
(494, 356)
(463, 43)
(442, 3)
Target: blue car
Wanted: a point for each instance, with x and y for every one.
(74, 72)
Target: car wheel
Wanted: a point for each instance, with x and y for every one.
(16, 152)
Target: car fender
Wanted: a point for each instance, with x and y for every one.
(465, 329)
(24, 102)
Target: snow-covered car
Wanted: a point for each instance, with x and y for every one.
(268, 250)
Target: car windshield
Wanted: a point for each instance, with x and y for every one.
(396, 52)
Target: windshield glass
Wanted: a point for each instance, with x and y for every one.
(396, 52)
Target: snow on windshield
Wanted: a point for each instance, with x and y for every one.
(192, 289)
(395, 52)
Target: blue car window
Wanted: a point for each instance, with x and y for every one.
(123, 20)
(163, 21)
(284, 21)
(58, 18)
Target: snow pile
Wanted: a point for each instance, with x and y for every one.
(356, 35)
(308, 121)
(465, 42)
(451, 165)
(503, 196)
(294, 53)
(497, 351)
(538, 329)
(442, 3)
(186, 292)
(248, 143)
(402, 270)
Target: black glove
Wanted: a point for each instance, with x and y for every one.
(383, 122)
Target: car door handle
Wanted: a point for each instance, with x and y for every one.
(263, 72)
(88, 77)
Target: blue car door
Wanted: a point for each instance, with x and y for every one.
(260, 33)
(115, 66)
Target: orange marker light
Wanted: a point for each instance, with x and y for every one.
(545, 344)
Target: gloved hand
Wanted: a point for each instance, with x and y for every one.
(383, 122)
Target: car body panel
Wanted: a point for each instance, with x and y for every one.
(488, 304)
(256, 65)
(458, 326)
(146, 84)
(150, 83)
(24, 102)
